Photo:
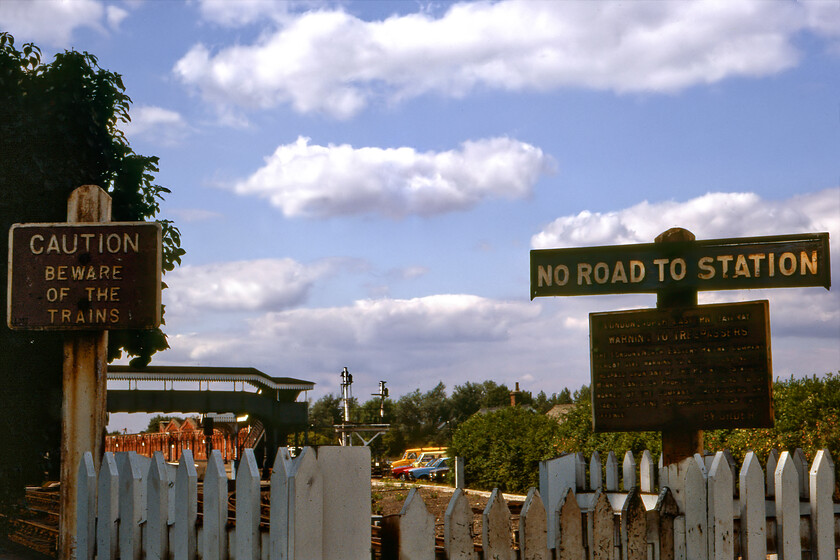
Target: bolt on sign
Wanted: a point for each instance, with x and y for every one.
(84, 276)
(692, 367)
(699, 367)
(713, 264)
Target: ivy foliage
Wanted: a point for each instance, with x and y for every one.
(60, 129)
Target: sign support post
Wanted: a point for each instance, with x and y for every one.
(677, 444)
(84, 378)
(84, 276)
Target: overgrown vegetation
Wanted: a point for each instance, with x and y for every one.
(59, 129)
(807, 416)
(422, 419)
(503, 449)
(503, 445)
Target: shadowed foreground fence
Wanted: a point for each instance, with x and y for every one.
(320, 508)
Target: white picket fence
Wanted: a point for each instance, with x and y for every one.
(136, 508)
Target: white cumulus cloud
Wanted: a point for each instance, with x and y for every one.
(302, 179)
(330, 61)
(406, 341)
(439, 319)
(258, 285)
(163, 125)
(53, 23)
(243, 12)
(714, 215)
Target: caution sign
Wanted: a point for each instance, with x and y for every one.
(84, 276)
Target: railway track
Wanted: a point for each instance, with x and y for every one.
(36, 526)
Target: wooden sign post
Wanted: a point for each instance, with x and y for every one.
(84, 385)
(682, 367)
(83, 277)
(678, 443)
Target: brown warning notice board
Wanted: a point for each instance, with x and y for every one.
(693, 368)
(84, 276)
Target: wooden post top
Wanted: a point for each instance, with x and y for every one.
(675, 297)
(89, 203)
(674, 234)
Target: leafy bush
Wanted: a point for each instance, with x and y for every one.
(807, 412)
(503, 449)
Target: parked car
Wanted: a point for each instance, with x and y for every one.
(434, 470)
(411, 456)
(423, 461)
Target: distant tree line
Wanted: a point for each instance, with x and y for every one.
(502, 445)
(423, 418)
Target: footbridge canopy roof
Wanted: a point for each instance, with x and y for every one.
(252, 376)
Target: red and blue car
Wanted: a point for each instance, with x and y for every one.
(433, 471)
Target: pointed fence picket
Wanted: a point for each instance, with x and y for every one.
(787, 508)
(612, 473)
(157, 516)
(533, 533)
(107, 508)
(628, 471)
(185, 541)
(752, 509)
(247, 508)
(215, 509)
(570, 540)
(720, 505)
(495, 528)
(320, 510)
(458, 529)
(822, 510)
(86, 509)
(409, 535)
(596, 476)
(646, 472)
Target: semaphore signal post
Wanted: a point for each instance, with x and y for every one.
(682, 367)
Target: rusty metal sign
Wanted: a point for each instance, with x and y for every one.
(691, 368)
(714, 264)
(84, 276)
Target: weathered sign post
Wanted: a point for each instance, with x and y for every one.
(83, 277)
(682, 368)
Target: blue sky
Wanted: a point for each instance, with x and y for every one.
(360, 183)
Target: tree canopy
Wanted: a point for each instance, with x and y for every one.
(477, 422)
(807, 412)
(59, 129)
(503, 448)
